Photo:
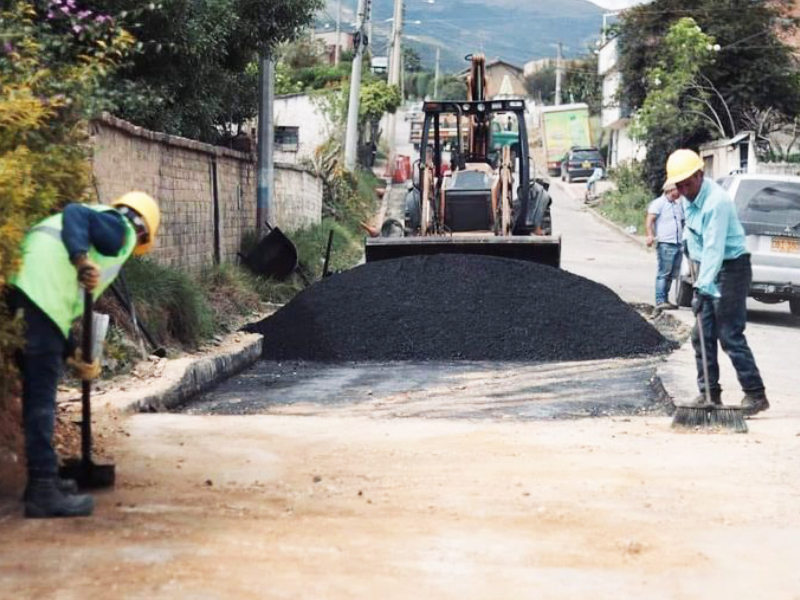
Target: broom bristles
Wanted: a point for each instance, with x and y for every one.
(723, 418)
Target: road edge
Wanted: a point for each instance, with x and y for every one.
(190, 377)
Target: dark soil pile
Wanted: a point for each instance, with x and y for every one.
(457, 307)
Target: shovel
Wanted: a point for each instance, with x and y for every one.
(84, 470)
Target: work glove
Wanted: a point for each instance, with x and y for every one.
(698, 301)
(83, 370)
(88, 272)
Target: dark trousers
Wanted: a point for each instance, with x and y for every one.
(40, 363)
(724, 320)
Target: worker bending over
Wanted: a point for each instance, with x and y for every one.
(82, 247)
(715, 238)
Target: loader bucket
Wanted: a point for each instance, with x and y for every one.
(274, 256)
(545, 250)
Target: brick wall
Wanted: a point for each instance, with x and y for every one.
(180, 174)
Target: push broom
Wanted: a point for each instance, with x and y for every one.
(709, 416)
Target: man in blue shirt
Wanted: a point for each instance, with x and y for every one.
(664, 226)
(715, 239)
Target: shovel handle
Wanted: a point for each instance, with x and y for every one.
(86, 386)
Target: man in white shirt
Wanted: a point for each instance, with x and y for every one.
(664, 226)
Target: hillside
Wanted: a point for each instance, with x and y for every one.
(515, 30)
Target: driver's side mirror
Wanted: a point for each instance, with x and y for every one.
(415, 175)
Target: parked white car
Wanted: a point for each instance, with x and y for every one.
(769, 209)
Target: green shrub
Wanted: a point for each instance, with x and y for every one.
(170, 302)
(627, 204)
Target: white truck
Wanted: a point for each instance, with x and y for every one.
(564, 127)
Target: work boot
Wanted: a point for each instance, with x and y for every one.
(46, 500)
(701, 401)
(65, 486)
(754, 402)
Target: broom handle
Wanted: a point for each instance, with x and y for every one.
(699, 322)
(86, 403)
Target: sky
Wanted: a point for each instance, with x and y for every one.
(617, 4)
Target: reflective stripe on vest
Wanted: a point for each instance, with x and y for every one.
(49, 279)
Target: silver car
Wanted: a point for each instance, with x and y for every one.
(769, 209)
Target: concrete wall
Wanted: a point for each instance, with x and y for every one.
(196, 229)
(303, 112)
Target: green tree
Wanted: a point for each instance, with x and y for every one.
(195, 64)
(754, 72)
(677, 103)
(583, 84)
(541, 85)
(452, 87)
(412, 63)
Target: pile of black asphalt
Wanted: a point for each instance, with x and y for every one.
(457, 307)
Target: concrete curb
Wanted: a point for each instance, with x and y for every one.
(608, 222)
(189, 377)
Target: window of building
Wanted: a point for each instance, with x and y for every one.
(287, 139)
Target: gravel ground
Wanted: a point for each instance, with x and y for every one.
(457, 307)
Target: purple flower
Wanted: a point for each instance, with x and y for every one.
(8, 47)
(64, 9)
(77, 28)
(50, 14)
(71, 3)
(84, 13)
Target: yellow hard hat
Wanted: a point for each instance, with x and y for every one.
(681, 165)
(147, 208)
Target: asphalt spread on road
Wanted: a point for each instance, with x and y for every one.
(457, 307)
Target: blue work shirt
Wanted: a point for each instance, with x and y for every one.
(83, 227)
(713, 233)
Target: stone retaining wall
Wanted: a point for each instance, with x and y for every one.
(207, 193)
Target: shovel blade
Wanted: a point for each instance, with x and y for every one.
(88, 475)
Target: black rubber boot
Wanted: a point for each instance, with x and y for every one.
(65, 486)
(700, 401)
(754, 402)
(45, 500)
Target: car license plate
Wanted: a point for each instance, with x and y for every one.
(786, 245)
(587, 165)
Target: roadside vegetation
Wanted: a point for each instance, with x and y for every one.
(626, 205)
(693, 72)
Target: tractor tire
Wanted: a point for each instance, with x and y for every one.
(547, 222)
(685, 293)
(794, 306)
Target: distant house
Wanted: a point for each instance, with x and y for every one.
(330, 40)
(300, 128)
(502, 78)
(615, 117)
(380, 64)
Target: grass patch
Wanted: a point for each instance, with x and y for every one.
(627, 204)
(171, 303)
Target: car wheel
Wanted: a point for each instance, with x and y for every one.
(794, 306)
(685, 293)
(568, 179)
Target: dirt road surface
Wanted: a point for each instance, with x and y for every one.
(346, 504)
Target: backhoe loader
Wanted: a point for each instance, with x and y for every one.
(482, 199)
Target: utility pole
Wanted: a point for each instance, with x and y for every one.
(395, 71)
(338, 49)
(266, 140)
(351, 137)
(436, 75)
(558, 76)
